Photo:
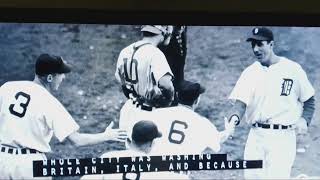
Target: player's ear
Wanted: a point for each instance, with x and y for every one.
(271, 43)
(49, 78)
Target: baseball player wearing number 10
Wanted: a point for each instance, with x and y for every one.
(30, 115)
(145, 76)
(274, 95)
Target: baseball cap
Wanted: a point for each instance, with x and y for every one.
(144, 131)
(155, 29)
(189, 92)
(50, 64)
(261, 34)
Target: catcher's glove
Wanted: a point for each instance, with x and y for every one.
(157, 98)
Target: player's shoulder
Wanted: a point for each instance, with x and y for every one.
(127, 49)
(185, 111)
(290, 63)
(21, 85)
(252, 68)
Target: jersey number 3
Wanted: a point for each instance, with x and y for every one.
(20, 107)
(176, 136)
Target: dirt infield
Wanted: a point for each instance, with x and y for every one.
(216, 57)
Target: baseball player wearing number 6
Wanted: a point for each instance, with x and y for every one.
(275, 96)
(144, 74)
(30, 115)
(185, 131)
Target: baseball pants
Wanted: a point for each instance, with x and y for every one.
(19, 166)
(276, 148)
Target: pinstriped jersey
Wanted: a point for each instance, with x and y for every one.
(30, 116)
(141, 65)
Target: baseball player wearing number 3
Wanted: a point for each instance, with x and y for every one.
(30, 115)
(275, 96)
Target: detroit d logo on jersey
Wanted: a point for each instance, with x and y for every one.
(286, 87)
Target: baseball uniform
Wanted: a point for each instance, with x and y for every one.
(134, 176)
(29, 117)
(183, 131)
(140, 66)
(274, 99)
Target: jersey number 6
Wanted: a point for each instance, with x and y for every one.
(20, 107)
(179, 134)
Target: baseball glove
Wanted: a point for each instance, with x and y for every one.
(156, 98)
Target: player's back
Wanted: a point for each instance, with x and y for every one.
(141, 63)
(183, 131)
(22, 105)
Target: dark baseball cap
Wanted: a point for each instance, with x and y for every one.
(261, 34)
(144, 131)
(189, 92)
(50, 64)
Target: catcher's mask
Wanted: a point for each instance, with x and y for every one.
(164, 30)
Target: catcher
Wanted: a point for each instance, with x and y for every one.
(144, 74)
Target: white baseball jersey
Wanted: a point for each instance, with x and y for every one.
(142, 68)
(133, 175)
(274, 94)
(183, 131)
(30, 115)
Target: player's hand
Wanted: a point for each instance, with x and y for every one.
(115, 134)
(301, 126)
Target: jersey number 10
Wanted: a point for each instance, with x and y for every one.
(132, 75)
(20, 107)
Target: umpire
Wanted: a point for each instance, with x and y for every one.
(176, 53)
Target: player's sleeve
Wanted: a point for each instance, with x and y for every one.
(159, 65)
(211, 134)
(119, 68)
(306, 90)
(242, 89)
(59, 120)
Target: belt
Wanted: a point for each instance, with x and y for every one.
(143, 106)
(13, 150)
(271, 126)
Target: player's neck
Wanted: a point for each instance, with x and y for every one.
(139, 148)
(40, 82)
(155, 40)
(274, 59)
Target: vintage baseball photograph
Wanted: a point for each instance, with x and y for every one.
(159, 94)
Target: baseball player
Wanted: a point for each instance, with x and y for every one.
(185, 131)
(30, 115)
(274, 95)
(145, 76)
(143, 135)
